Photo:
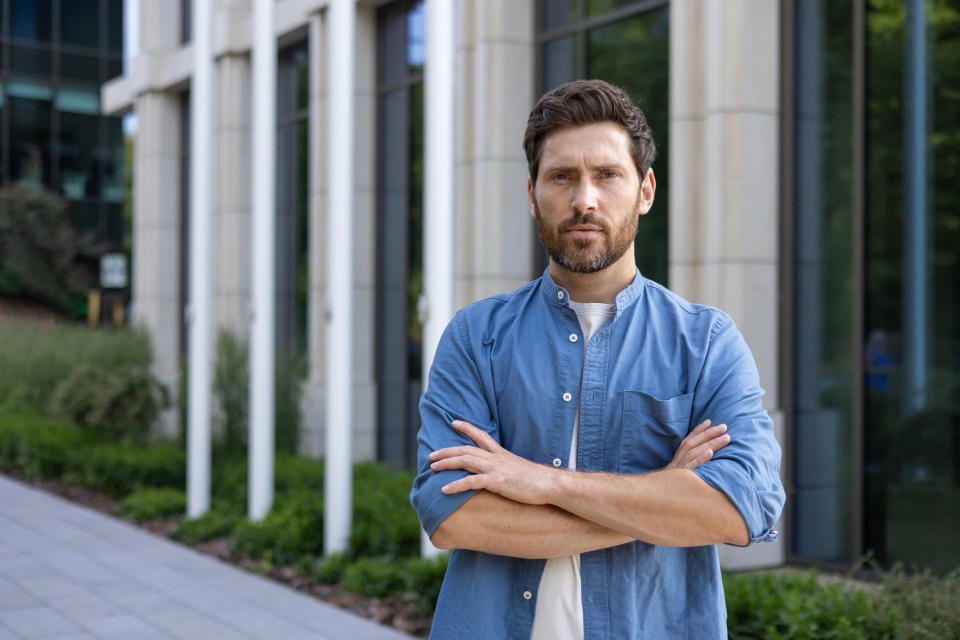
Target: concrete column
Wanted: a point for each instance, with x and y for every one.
(339, 410)
(494, 93)
(439, 211)
(724, 127)
(263, 341)
(201, 152)
(157, 237)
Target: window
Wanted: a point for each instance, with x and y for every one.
(400, 34)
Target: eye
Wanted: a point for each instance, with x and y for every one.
(560, 177)
(609, 174)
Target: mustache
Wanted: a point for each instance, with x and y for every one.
(577, 220)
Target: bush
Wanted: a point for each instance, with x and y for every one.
(121, 469)
(231, 386)
(375, 578)
(39, 447)
(42, 257)
(121, 405)
(795, 605)
(211, 525)
(293, 530)
(383, 522)
(33, 361)
(150, 504)
(927, 606)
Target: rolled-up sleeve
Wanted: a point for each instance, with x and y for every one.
(747, 470)
(456, 390)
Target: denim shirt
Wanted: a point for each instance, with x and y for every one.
(511, 365)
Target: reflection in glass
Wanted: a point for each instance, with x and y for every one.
(115, 27)
(31, 61)
(31, 19)
(598, 7)
(79, 67)
(823, 348)
(615, 53)
(79, 23)
(30, 121)
(559, 62)
(555, 14)
(912, 376)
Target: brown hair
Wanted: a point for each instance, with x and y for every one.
(585, 102)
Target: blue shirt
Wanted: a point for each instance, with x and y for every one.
(511, 365)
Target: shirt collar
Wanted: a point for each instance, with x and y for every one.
(560, 297)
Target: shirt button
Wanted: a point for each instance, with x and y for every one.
(559, 295)
(527, 595)
(557, 462)
(573, 337)
(567, 397)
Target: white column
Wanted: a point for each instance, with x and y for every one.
(438, 226)
(339, 379)
(201, 179)
(262, 340)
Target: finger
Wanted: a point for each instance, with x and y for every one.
(469, 483)
(708, 433)
(712, 446)
(481, 437)
(462, 450)
(469, 463)
(700, 428)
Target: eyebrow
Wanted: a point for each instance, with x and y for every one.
(607, 166)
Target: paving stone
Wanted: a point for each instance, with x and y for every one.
(36, 622)
(84, 606)
(6, 634)
(51, 586)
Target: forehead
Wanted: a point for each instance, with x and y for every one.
(598, 142)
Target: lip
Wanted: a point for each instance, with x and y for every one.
(583, 232)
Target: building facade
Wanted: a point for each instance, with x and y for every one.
(54, 56)
(807, 157)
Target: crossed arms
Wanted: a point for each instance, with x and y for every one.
(529, 510)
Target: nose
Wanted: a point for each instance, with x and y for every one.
(585, 198)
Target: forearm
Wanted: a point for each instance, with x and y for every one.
(672, 507)
(493, 524)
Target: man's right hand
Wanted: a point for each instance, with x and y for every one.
(699, 446)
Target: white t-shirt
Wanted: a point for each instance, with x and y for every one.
(559, 614)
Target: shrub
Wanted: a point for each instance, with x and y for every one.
(231, 385)
(121, 406)
(293, 529)
(42, 257)
(211, 525)
(927, 606)
(383, 522)
(424, 578)
(34, 361)
(795, 605)
(38, 446)
(121, 469)
(375, 577)
(330, 570)
(150, 504)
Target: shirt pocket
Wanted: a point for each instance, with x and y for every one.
(652, 430)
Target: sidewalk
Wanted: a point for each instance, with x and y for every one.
(70, 573)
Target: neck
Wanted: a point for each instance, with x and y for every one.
(601, 286)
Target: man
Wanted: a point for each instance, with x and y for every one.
(558, 455)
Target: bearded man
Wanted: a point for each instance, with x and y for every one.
(588, 439)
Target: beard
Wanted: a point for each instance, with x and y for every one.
(587, 255)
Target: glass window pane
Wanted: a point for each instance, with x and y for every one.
(85, 217)
(79, 67)
(416, 32)
(80, 23)
(911, 377)
(115, 27)
(598, 7)
(114, 68)
(559, 62)
(558, 13)
(824, 340)
(614, 53)
(80, 170)
(114, 163)
(30, 140)
(391, 43)
(27, 60)
(78, 101)
(31, 19)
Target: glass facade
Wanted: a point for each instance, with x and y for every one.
(876, 221)
(400, 36)
(612, 40)
(54, 56)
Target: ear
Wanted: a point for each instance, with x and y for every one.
(647, 190)
(531, 197)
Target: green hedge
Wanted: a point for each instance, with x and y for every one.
(382, 559)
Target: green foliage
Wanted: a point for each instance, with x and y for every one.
(330, 570)
(424, 578)
(38, 446)
(35, 361)
(217, 523)
(150, 504)
(121, 469)
(416, 579)
(42, 257)
(928, 606)
(794, 605)
(231, 385)
(375, 577)
(383, 522)
(292, 530)
(120, 405)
